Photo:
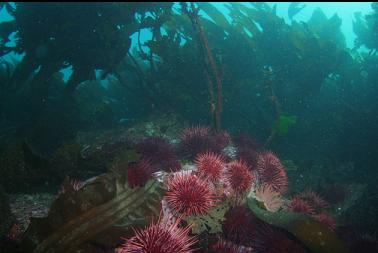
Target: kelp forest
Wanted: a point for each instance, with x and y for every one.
(161, 127)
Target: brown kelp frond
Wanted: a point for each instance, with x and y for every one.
(315, 235)
(78, 216)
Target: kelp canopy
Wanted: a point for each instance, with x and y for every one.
(58, 35)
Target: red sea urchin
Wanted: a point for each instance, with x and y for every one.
(326, 219)
(250, 156)
(239, 225)
(272, 172)
(223, 246)
(210, 165)
(195, 140)
(247, 149)
(244, 141)
(160, 238)
(189, 195)
(223, 138)
(159, 152)
(239, 176)
(199, 139)
(314, 199)
(299, 205)
(138, 173)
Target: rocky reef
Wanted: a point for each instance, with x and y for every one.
(210, 200)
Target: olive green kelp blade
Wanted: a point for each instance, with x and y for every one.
(215, 14)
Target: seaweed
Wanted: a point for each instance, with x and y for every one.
(76, 217)
(294, 9)
(210, 223)
(313, 234)
(283, 123)
(213, 73)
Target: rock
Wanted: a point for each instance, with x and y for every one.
(5, 213)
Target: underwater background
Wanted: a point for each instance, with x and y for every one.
(188, 127)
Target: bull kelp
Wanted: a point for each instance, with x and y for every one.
(165, 127)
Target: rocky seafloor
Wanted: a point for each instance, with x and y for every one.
(92, 154)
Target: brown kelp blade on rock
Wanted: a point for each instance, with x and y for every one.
(316, 236)
(77, 217)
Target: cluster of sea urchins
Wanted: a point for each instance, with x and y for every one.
(199, 139)
(214, 178)
(310, 203)
(159, 152)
